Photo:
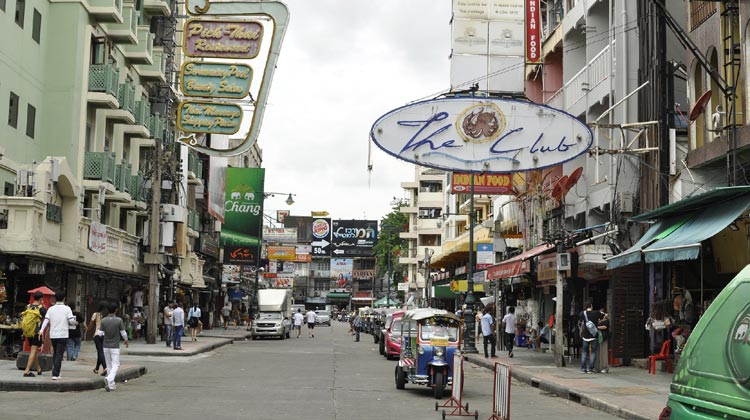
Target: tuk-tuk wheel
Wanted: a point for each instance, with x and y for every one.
(400, 378)
(476, 414)
(443, 414)
(436, 406)
(467, 407)
(439, 385)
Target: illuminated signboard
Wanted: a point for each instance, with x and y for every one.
(216, 80)
(222, 38)
(209, 117)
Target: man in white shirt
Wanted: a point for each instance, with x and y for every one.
(168, 324)
(311, 316)
(178, 320)
(60, 318)
(510, 329)
(488, 332)
(298, 320)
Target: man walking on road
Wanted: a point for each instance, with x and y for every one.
(488, 332)
(178, 318)
(113, 328)
(357, 324)
(510, 329)
(311, 316)
(59, 318)
(298, 320)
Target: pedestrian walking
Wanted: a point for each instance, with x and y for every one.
(31, 324)
(96, 323)
(510, 329)
(602, 355)
(226, 312)
(311, 317)
(488, 332)
(59, 318)
(168, 324)
(589, 336)
(193, 320)
(74, 335)
(298, 320)
(178, 318)
(114, 329)
(236, 316)
(357, 326)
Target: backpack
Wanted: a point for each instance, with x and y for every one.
(30, 319)
(591, 326)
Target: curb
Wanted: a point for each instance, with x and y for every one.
(571, 394)
(64, 385)
(202, 349)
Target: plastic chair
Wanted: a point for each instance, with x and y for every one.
(663, 355)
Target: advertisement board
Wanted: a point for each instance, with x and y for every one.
(496, 184)
(215, 80)
(341, 273)
(280, 235)
(209, 117)
(286, 253)
(243, 215)
(354, 238)
(303, 224)
(321, 234)
(222, 38)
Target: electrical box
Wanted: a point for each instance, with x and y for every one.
(172, 213)
(625, 201)
(563, 261)
(167, 234)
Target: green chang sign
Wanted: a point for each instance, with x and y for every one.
(216, 80)
(243, 207)
(209, 117)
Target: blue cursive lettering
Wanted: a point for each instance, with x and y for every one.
(561, 147)
(416, 141)
(497, 142)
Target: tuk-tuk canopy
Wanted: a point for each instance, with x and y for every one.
(424, 313)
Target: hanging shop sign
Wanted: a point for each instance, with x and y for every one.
(98, 237)
(354, 238)
(321, 233)
(287, 253)
(485, 256)
(533, 31)
(496, 184)
(222, 38)
(280, 235)
(243, 208)
(209, 117)
(478, 134)
(216, 80)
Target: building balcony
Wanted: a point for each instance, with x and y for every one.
(125, 32)
(575, 17)
(408, 210)
(138, 189)
(410, 185)
(163, 7)
(157, 126)
(126, 97)
(157, 69)
(411, 234)
(123, 177)
(99, 166)
(103, 84)
(142, 52)
(587, 86)
(192, 271)
(195, 167)
(106, 10)
(143, 113)
(31, 233)
(194, 220)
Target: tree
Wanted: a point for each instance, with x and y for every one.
(391, 225)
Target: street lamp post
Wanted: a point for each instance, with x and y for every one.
(469, 318)
(427, 257)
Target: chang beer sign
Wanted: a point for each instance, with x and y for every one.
(480, 134)
(209, 117)
(243, 207)
(216, 80)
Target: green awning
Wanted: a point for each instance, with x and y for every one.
(685, 242)
(383, 302)
(633, 254)
(444, 292)
(697, 202)
(338, 296)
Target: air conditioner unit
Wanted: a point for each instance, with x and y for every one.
(172, 213)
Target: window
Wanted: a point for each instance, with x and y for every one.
(36, 30)
(9, 189)
(13, 110)
(30, 120)
(97, 51)
(20, 12)
(2, 5)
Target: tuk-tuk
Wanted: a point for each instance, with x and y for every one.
(430, 339)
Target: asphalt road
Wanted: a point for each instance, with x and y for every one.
(326, 377)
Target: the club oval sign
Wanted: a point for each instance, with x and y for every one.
(481, 134)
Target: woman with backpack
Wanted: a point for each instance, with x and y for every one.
(31, 321)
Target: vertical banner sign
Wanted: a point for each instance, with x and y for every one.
(243, 218)
(533, 32)
(321, 233)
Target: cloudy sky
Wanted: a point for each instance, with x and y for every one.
(343, 64)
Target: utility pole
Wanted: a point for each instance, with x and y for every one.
(469, 318)
(389, 279)
(559, 334)
(154, 259)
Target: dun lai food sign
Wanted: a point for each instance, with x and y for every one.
(213, 38)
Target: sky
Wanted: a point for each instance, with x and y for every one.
(343, 64)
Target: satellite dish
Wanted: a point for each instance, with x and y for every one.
(558, 190)
(700, 105)
(573, 178)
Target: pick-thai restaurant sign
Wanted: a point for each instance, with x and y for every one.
(354, 238)
(209, 117)
(216, 80)
(497, 184)
(222, 38)
(481, 135)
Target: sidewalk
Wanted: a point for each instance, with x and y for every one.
(627, 392)
(78, 375)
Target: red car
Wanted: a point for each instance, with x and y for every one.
(392, 345)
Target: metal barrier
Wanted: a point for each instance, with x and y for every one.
(501, 393)
(455, 402)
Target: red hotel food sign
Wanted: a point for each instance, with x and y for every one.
(533, 32)
(483, 183)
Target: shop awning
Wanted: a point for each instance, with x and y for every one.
(678, 235)
(382, 302)
(513, 267)
(443, 292)
(338, 296)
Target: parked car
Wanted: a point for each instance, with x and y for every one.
(392, 346)
(712, 378)
(386, 317)
(324, 317)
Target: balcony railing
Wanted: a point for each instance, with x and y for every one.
(137, 189)
(195, 164)
(54, 213)
(595, 72)
(157, 126)
(100, 166)
(123, 177)
(194, 220)
(126, 97)
(103, 78)
(142, 112)
(700, 12)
